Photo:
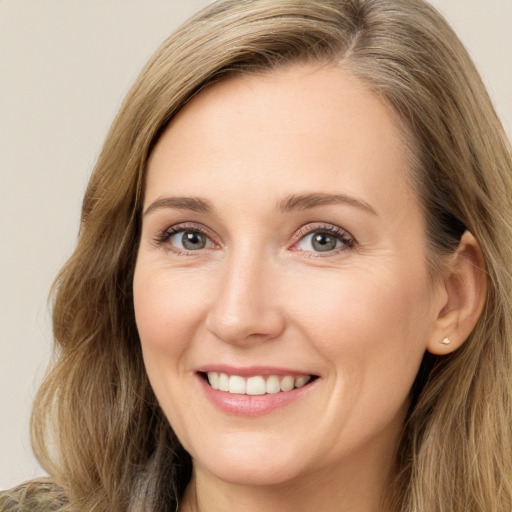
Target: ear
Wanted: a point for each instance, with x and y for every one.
(465, 288)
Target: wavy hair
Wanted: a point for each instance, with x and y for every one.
(97, 428)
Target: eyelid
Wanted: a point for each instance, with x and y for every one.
(165, 234)
(348, 240)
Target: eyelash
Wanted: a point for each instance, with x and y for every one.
(166, 234)
(346, 239)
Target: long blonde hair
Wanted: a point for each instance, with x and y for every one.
(97, 428)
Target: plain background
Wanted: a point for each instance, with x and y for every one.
(65, 66)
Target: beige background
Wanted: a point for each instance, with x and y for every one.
(65, 66)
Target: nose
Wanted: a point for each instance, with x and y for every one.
(246, 308)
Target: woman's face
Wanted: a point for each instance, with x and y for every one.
(283, 258)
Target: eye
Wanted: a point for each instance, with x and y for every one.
(185, 239)
(189, 240)
(320, 242)
(323, 239)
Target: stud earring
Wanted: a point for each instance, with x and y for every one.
(446, 341)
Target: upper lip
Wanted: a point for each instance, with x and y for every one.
(250, 371)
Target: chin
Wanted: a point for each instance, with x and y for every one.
(258, 465)
(252, 474)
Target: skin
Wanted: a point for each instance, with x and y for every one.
(359, 317)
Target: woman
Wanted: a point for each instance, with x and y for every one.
(291, 289)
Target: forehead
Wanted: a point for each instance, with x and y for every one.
(295, 128)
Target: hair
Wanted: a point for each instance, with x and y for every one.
(97, 428)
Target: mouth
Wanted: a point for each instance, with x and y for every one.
(256, 385)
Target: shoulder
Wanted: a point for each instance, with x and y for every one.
(34, 496)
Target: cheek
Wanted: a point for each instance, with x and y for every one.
(362, 309)
(168, 309)
(373, 330)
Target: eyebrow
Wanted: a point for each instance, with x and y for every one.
(194, 204)
(305, 201)
(291, 203)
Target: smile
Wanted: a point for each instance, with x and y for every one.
(253, 391)
(255, 385)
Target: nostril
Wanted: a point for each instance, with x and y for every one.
(249, 327)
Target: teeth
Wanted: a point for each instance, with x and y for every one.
(302, 381)
(256, 385)
(213, 377)
(223, 382)
(287, 383)
(273, 384)
(237, 385)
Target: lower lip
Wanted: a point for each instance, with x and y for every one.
(252, 405)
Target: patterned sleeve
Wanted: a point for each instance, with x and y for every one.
(34, 496)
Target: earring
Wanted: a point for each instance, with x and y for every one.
(446, 341)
